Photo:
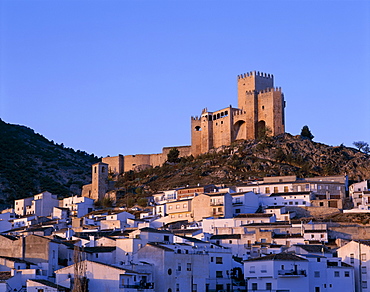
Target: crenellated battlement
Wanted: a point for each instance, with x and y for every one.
(238, 112)
(271, 89)
(255, 73)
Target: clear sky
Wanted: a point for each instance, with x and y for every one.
(124, 77)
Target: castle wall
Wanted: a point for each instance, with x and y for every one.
(116, 164)
(132, 161)
(221, 125)
(183, 151)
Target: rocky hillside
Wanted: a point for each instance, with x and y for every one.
(31, 164)
(248, 160)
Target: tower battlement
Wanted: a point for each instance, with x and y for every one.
(255, 73)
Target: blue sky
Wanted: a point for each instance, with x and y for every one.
(124, 77)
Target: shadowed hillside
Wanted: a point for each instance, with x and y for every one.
(251, 159)
(31, 164)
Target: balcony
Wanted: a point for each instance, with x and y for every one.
(217, 203)
(291, 273)
(139, 286)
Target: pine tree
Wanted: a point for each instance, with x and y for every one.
(306, 133)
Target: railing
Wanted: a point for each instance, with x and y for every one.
(139, 286)
(289, 273)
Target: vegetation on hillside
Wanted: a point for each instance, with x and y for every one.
(31, 164)
(248, 160)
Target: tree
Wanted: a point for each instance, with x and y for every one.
(173, 155)
(306, 133)
(361, 145)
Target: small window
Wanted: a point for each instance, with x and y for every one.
(188, 266)
(336, 274)
(352, 258)
(219, 260)
(169, 271)
(317, 274)
(346, 274)
(363, 257)
(254, 286)
(219, 274)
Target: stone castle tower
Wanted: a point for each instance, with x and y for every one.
(99, 185)
(260, 106)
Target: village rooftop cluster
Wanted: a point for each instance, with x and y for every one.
(200, 238)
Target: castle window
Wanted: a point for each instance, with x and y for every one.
(226, 113)
(197, 128)
(218, 115)
(263, 107)
(210, 118)
(222, 122)
(95, 169)
(103, 169)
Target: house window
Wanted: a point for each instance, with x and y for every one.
(364, 284)
(166, 238)
(286, 189)
(267, 190)
(219, 260)
(219, 274)
(254, 286)
(276, 190)
(346, 274)
(363, 270)
(185, 205)
(177, 206)
(363, 257)
(188, 266)
(237, 211)
(169, 272)
(317, 274)
(170, 207)
(336, 274)
(268, 286)
(179, 267)
(264, 269)
(252, 269)
(352, 258)
(177, 287)
(211, 259)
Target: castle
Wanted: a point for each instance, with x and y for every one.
(260, 109)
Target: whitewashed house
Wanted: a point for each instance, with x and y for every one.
(103, 277)
(357, 254)
(291, 273)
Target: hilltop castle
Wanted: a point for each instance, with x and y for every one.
(260, 107)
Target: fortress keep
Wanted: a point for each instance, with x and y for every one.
(260, 107)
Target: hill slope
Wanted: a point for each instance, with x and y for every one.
(247, 160)
(31, 164)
